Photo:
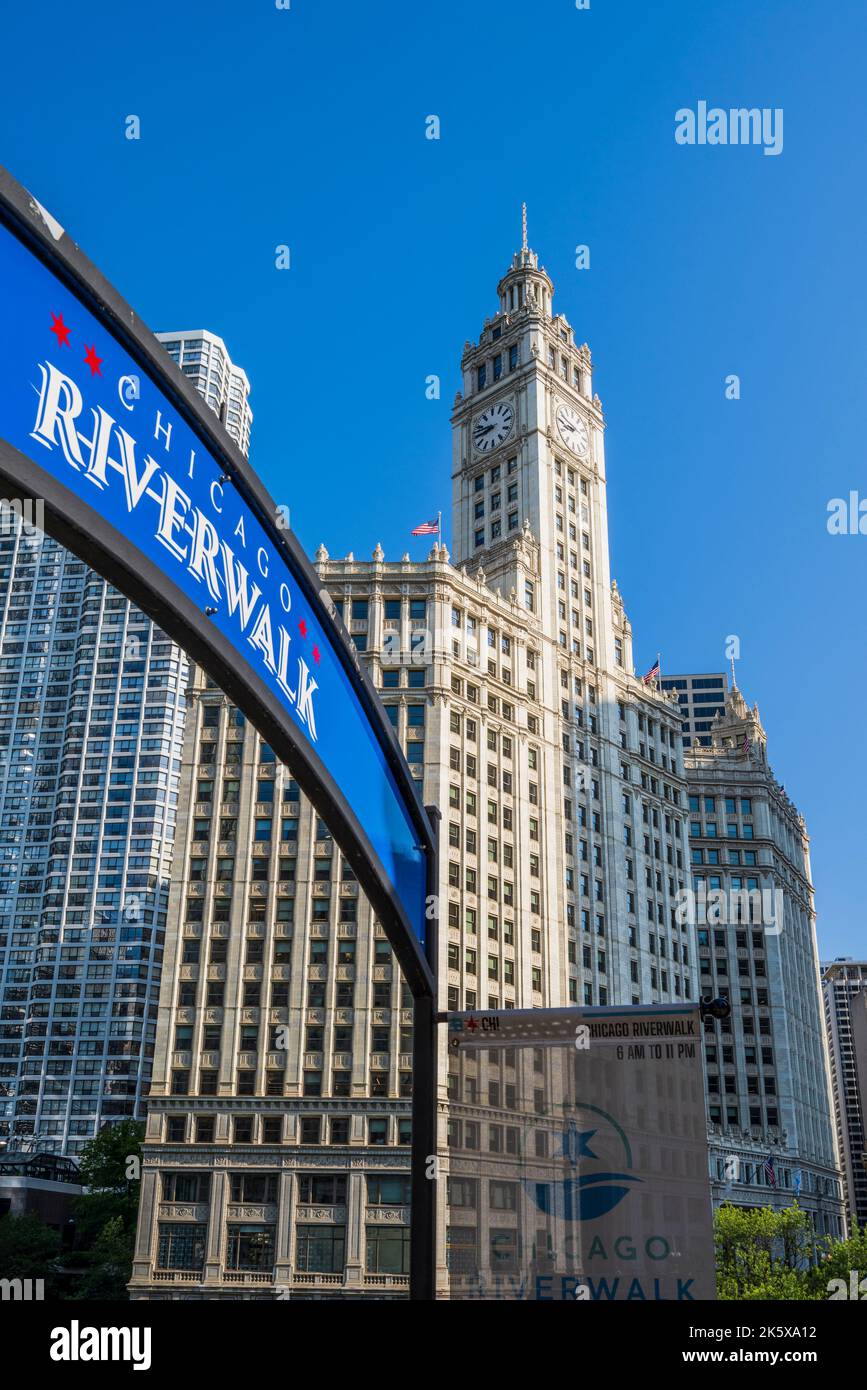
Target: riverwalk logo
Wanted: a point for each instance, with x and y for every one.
(77, 1343)
(585, 1196)
(737, 126)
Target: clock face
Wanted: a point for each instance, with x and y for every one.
(573, 430)
(493, 426)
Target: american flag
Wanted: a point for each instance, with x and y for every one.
(770, 1172)
(652, 673)
(747, 744)
(427, 528)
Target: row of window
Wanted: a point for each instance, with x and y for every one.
(318, 992)
(493, 370)
(319, 1249)
(711, 831)
(316, 1188)
(269, 1129)
(393, 609)
(709, 804)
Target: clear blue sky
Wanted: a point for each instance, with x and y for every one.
(261, 127)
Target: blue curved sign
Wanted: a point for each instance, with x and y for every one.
(83, 409)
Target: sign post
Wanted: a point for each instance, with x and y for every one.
(591, 1182)
(135, 474)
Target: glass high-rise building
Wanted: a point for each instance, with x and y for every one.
(92, 703)
(844, 986)
(203, 357)
(91, 719)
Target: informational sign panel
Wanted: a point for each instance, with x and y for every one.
(577, 1164)
(138, 477)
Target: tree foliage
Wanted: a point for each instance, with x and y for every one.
(111, 1162)
(28, 1249)
(763, 1253)
(109, 1263)
(106, 1215)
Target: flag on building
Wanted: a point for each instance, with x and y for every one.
(427, 528)
(770, 1172)
(652, 673)
(747, 744)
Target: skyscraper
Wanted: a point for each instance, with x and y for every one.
(701, 699)
(204, 358)
(751, 899)
(91, 721)
(91, 717)
(279, 1115)
(844, 984)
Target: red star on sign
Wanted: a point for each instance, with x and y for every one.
(93, 361)
(60, 328)
(317, 655)
(471, 1024)
(302, 628)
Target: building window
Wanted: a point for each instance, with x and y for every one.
(181, 1246)
(250, 1247)
(377, 1132)
(320, 1249)
(387, 1250)
(322, 1189)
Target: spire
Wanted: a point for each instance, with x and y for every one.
(734, 680)
(525, 285)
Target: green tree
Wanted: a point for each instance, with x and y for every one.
(28, 1250)
(111, 1162)
(109, 1263)
(839, 1260)
(106, 1215)
(764, 1254)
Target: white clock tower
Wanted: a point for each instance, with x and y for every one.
(529, 456)
(530, 516)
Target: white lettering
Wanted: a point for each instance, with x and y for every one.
(206, 547)
(306, 687)
(237, 593)
(261, 637)
(173, 511)
(59, 404)
(166, 430)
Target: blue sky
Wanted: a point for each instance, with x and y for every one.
(262, 127)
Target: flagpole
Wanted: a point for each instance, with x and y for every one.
(439, 528)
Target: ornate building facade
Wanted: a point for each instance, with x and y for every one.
(767, 1069)
(278, 1126)
(277, 1159)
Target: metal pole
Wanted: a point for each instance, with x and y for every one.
(422, 1251)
